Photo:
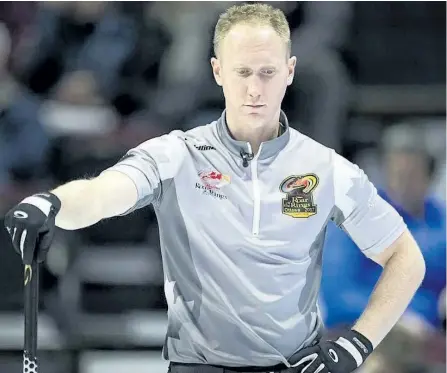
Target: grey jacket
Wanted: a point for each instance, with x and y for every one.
(242, 238)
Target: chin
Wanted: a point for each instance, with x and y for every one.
(259, 120)
(255, 120)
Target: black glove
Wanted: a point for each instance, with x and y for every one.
(31, 225)
(344, 355)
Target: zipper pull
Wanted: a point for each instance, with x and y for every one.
(246, 157)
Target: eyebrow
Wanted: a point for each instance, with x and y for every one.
(266, 67)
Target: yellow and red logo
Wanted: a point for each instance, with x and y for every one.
(305, 184)
(299, 199)
(214, 179)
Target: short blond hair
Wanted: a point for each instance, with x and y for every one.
(252, 14)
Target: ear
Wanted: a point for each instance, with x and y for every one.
(215, 64)
(291, 67)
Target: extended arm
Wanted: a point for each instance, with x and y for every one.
(131, 184)
(85, 202)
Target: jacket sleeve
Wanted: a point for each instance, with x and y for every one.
(371, 222)
(151, 164)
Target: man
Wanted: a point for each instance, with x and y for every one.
(242, 206)
(409, 172)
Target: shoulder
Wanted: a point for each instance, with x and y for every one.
(312, 151)
(200, 138)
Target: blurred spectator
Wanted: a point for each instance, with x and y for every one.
(76, 106)
(322, 84)
(185, 77)
(71, 36)
(349, 277)
(80, 121)
(23, 141)
(18, 16)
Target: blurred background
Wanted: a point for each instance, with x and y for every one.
(82, 82)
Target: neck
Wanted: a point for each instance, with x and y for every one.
(252, 134)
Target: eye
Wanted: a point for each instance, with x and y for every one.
(243, 72)
(268, 72)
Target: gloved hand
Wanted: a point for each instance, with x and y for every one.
(31, 225)
(343, 355)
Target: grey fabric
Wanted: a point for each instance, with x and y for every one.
(178, 264)
(242, 246)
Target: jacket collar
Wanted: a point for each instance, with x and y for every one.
(268, 148)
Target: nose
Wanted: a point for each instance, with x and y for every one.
(254, 87)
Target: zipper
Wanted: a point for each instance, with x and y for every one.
(256, 192)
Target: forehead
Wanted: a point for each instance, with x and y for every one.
(253, 45)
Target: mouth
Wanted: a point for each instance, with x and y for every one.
(254, 106)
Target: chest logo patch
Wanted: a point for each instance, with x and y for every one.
(299, 202)
(212, 182)
(214, 179)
